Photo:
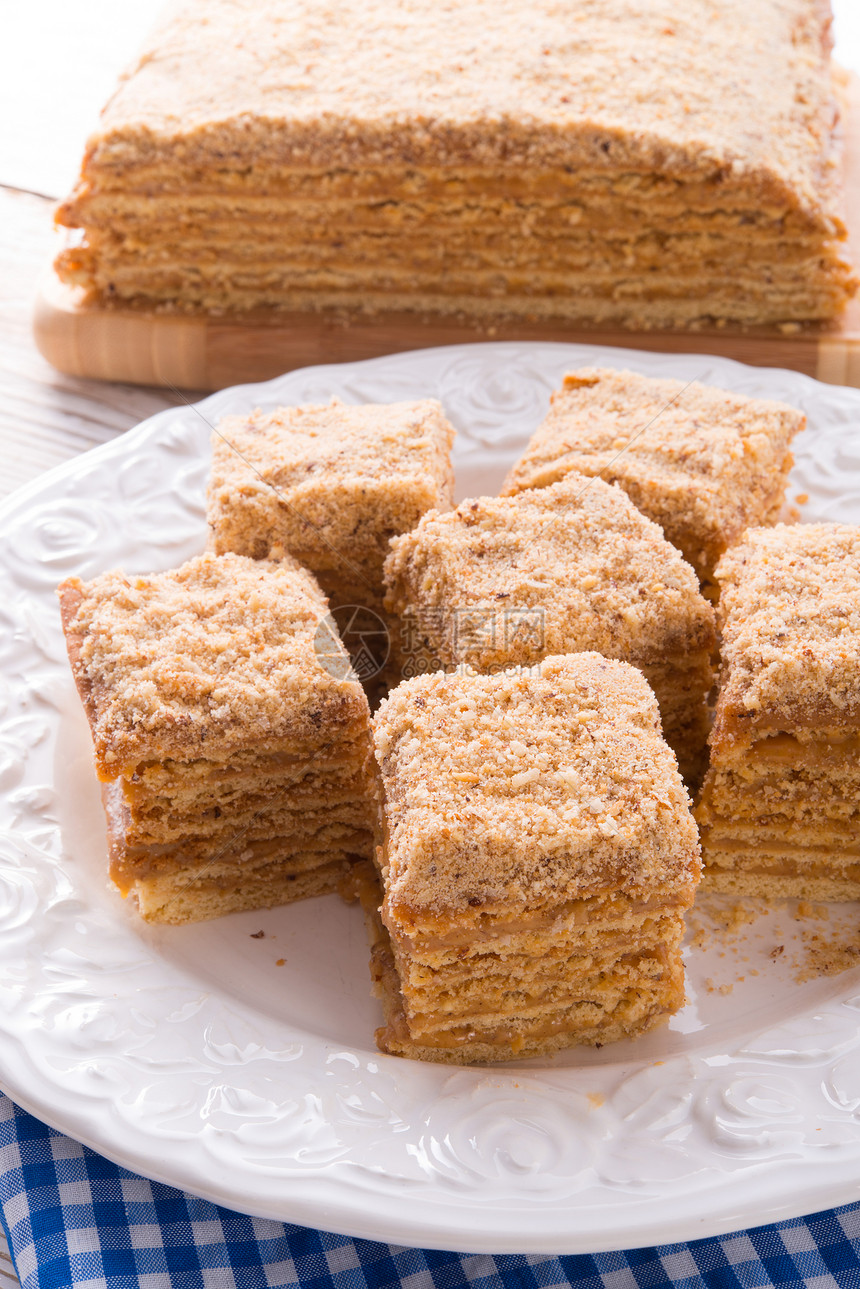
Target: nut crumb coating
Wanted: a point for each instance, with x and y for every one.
(200, 661)
(600, 574)
(523, 789)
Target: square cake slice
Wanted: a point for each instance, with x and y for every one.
(330, 484)
(507, 581)
(230, 735)
(780, 805)
(703, 463)
(536, 853)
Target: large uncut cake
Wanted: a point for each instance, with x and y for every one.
(633, 162)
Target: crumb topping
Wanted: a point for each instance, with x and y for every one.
(593, 571)
(211, 656)
(713, 920)
(530, 787)
(825, 956)
(790, 619)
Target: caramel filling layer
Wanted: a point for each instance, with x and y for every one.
(788, 750)
(758, 836)
(582, 913)
(784, 867)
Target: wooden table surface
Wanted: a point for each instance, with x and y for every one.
(58, 63)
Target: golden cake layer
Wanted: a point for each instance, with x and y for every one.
(483, 159)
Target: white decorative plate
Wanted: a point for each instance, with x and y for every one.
(190, 1055)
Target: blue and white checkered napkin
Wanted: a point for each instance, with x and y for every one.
(73, 1219)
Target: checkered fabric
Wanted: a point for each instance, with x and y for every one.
(73, 1219)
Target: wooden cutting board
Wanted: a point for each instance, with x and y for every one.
(202, 353)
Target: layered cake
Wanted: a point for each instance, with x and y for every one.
(597, 162)
(574, 566)
(332, 484)
(235, 768)
(535, 856)
(780, 806)
(704, 463)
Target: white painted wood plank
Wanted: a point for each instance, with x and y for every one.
(59, 64)
(46, 417)
(8, 1279)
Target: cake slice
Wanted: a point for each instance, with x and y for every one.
(235, 767)
(332, 484)
(780, 806)
(703, 463)
(597, 163)
(535, 856)
(499, 582)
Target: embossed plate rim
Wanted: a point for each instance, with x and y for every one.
(507, 1193)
